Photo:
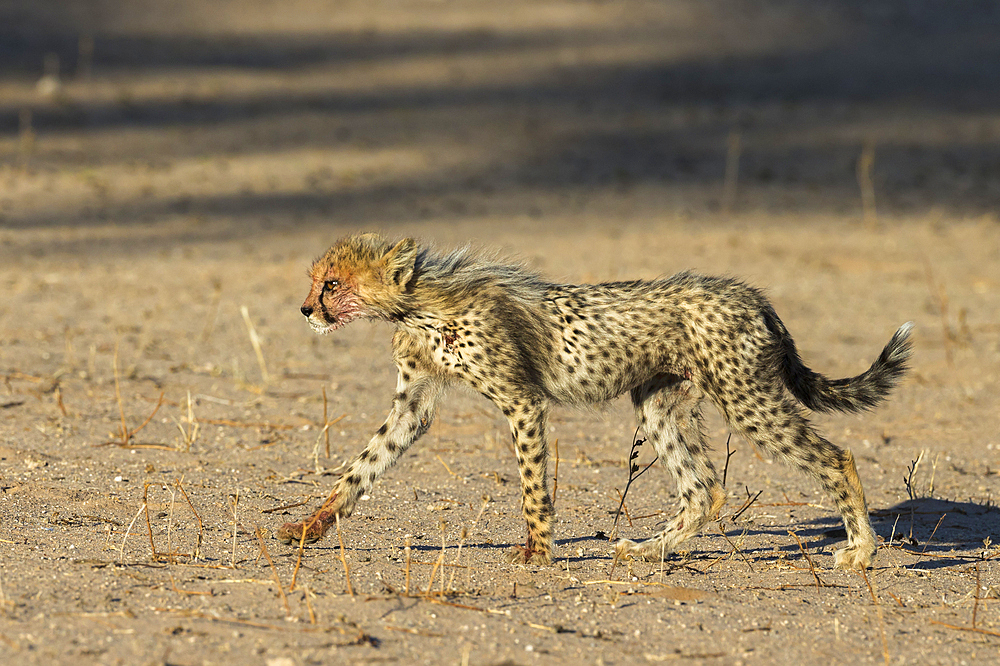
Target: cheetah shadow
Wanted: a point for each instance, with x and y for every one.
(937, 528)
(933, 529)
(599, 548)
(942, 533)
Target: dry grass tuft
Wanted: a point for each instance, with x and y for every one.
(911, 473)
(125, 433)
(189, 435)
(255, 343)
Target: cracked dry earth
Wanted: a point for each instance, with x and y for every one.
(163, 403)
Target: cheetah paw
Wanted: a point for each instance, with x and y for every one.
(649, 551)
(291, 533)
(626, 549)
(526, 555)
(857, 557)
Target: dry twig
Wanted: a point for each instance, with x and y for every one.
(343, 557)
(407, 555)
(437, 564)
(878, 611)
(274, 571)
(129, 529)
(306, 596)
(746, 505)
(633, 474)
(197, 548)
(446, 468)
(975, 604)
(149, 525)
(735, 548)
(555, 474)
(928, 541)
(972, 629)
(324, 432)
(234, 503)
(812, 565)
(326, 424)
(283, 508)
(243, 424)
(729, 454)
(176, 589)
(465, 533)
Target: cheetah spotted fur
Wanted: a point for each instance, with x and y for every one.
(526, 344)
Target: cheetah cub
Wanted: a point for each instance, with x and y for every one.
(527, 344)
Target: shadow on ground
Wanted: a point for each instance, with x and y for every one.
(896, 70)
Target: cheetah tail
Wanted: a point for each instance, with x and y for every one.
(853, 394)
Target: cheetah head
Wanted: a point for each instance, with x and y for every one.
(361, 276)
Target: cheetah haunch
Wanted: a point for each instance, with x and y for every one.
(527, 344)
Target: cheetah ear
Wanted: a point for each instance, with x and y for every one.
(400, 261)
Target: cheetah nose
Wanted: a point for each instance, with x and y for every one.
(306, 310)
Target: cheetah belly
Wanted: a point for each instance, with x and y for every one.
(597, 374)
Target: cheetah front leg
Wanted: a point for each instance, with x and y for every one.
(668, 412)
(412, 411)
(527, 423)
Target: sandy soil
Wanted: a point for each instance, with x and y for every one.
(166, 191)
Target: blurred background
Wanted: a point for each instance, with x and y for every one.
(191, 119)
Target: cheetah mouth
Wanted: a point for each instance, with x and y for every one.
(322, 327)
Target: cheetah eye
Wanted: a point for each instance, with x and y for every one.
(330, 285)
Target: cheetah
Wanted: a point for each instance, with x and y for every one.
(527, 344)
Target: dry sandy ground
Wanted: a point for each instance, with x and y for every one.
(199, 158)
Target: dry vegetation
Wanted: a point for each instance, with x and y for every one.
(167, 174)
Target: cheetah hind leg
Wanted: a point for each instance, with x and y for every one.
(861, 541)
(687, 523)
(668, 411)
